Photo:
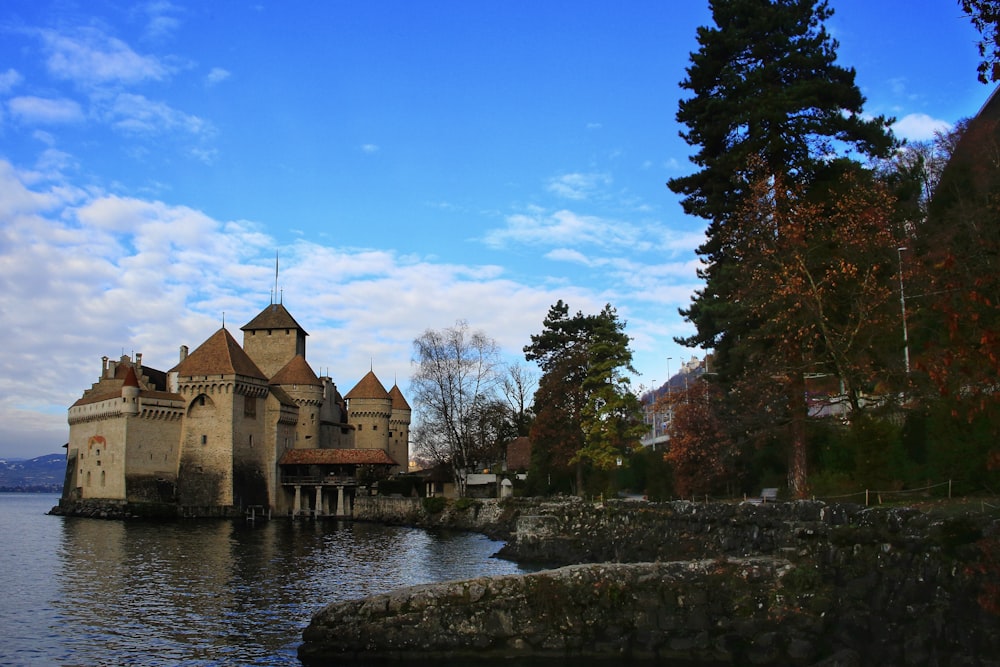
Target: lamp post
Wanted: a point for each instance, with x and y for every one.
(670, 404)
(902, 308)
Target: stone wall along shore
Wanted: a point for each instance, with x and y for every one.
(719, 584)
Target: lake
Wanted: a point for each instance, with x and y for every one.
(77, 591)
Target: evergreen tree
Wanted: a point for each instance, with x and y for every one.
(585, 414)
(766, 93)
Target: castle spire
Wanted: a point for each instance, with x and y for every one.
(274, 294)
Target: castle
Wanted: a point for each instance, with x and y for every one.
(231, 428)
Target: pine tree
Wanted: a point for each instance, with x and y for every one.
(585, 414)
(766, 92)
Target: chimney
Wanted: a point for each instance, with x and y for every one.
(184, 352)
(104, 366)
(138, 360)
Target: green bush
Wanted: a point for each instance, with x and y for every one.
(462, 504)
(434, 504)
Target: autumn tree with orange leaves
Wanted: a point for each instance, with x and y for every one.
(956, 270)
(818, 292)
(701, 449)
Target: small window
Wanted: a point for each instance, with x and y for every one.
(204, 439)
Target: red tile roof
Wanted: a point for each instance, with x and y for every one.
(275, 316)
(219, 355)
(336, 457)
(296, 371)
(398, 402)
(369, 387)
(130, 379)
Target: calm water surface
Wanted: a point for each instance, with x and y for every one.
(89, 592)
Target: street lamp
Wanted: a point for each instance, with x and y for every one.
(902, 308)
(670, 404)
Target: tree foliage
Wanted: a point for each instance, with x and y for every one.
(462, 419)
(955, 274)
(519, 386)
(820, 268)
(701, 451)
(765, 87)
(770, 112)
(985, 17)
(586, 416)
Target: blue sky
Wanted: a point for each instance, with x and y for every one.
(412, 164)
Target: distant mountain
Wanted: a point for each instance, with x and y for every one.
(43, 474)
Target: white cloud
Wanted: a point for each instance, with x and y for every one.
(45, 111)
(568, 229)
(136, 114)
(369, 148)
(919, 127)
(577, 185)
(216, 75)
(89, 57)
(161, 24)
(568, 255)
(8, 80)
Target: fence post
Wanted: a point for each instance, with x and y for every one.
(866, 497)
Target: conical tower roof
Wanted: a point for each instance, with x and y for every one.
(398, 402)
(130, 378)
(369, 387)
(296, 371)
(219, 355)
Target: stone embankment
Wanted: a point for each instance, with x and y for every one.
(495, 518)
(101, 508)
(780, 584)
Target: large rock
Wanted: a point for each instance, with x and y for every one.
(710, 611)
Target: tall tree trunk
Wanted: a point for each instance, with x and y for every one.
(798, 408)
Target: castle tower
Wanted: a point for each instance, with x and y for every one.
(299, 381)
(399, 429)
(225, 457)
(369, 408)
(273, 338)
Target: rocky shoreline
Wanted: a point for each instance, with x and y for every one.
(801, 583)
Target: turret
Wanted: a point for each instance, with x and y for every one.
(130, 393)
(369, 408)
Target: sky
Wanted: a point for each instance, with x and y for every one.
(410, 165)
